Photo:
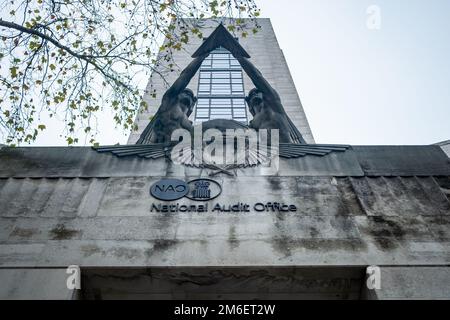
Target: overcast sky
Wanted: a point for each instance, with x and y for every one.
(357, 85)
(363, 86)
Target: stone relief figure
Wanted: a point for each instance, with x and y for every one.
(265, 105)
(178, 102)
(177, 105)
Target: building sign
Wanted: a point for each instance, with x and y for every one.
(224, 208)
(169, 189)
(204, 190)
(197, 190)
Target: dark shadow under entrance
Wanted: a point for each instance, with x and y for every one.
(235, 283)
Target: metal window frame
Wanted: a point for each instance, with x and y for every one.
(231, 80)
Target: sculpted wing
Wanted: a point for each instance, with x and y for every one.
(147, 151)
(255, 156)
(149, 132)
(296, 136)
(292, 150)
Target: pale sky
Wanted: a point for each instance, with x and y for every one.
(357, 85)
(361, 86)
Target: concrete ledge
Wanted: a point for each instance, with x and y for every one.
(402, 160)
(83, 162)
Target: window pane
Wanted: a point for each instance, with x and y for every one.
(227, 81)
(221, 56)
(221, 111)
(221, 102)
(220, 81)
(221, 75)
(220, 65)
(220, 91)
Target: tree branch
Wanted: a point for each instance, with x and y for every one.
(12, 25)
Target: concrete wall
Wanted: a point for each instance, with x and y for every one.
(265, 53)
(339, 221)
(385, 206)
(35, 284)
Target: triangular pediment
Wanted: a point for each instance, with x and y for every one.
(221, 38)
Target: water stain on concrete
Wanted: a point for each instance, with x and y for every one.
(287, 245)
(60, 232)
(232, 239)
(23, 233)
(127, 253)
(90, 249)
(160, 245)
(386, 243)
(163, 244)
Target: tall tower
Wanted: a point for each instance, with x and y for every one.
(221, 85)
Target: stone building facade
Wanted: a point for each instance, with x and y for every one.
(383, 206)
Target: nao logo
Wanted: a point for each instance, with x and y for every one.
(174, 189)
(203, 189)
(169, 189)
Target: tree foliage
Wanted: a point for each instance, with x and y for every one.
(73, 58)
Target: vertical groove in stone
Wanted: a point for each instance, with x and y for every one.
(348, 197)
(13, 198)
(64, 197)
(90, 203)
(73, 200)
(43, 194)
(444, 183)
(434, 192)
(365, 195)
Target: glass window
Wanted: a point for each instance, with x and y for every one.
(221, 88)
(203, 101)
